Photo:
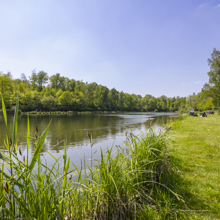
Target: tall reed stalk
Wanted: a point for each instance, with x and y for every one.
(126, 186)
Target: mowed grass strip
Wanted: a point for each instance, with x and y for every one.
(196, 152)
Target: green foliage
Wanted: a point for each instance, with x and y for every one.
(6, 89)
(131, 185)
(38, 80)
(63, 94)
(49, 103)
(213, 87)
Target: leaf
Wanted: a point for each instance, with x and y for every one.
(11, 179)
(67, 164)
(4, 158)
(38, 148)
(15, 124)
(28, 138)
(4, 112)
(6, 126)
(64, 182)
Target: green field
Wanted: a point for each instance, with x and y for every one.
(196, 155)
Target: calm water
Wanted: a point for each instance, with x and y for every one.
(107, 130)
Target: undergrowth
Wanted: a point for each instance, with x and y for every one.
(137, 183)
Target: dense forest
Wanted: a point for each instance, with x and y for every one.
(57, 93)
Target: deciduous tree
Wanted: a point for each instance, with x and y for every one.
(38, 79)
(212, 88)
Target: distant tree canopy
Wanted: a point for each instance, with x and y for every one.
(212, 88)
(38, 80)
(61, 93)
(23, 77)
(6, 89)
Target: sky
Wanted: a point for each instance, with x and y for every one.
(136, 46)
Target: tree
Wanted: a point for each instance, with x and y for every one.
(136, 99)
(101, 97)
(113, 97)
(54, 81)
(58, 82)
(162, 103)
(9, 75)
(213, 87)
(145, 101)
(26, 101)
(128, 104)
(6, 89)
(5, 84)
(65, 100)
(152, 103)
(49, 103)
(23, 77)
(42, 79)
(38, 79)
(121, 101)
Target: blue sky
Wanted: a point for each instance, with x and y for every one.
(142, 47)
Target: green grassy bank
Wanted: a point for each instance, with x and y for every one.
(196, 155)
(170, 175)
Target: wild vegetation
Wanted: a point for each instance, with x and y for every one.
(136, 183)
(150, 178)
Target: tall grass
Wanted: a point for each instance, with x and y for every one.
(134, 184)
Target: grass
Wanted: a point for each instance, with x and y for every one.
(196, 154)
(147, 179)
(134, 184)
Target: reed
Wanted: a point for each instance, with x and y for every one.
(131, 185)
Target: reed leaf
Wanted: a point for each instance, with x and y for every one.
(4, 158)
(28, 138)
(38, 148)
(11, 179)
(15, 124)
(67, 164)
(4, 114)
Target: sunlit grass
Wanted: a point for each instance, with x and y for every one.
(196, 152)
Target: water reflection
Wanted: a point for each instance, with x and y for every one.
(106, 129)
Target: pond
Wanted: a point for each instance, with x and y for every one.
(107, 130)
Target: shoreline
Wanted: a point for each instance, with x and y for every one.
(173, 174)
(11, 112)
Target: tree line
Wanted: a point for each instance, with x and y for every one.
(58, 93)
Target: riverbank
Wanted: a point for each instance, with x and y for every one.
(196, 154)
(68, 112)
(11, 111)
(148, 178)
(133, 184)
